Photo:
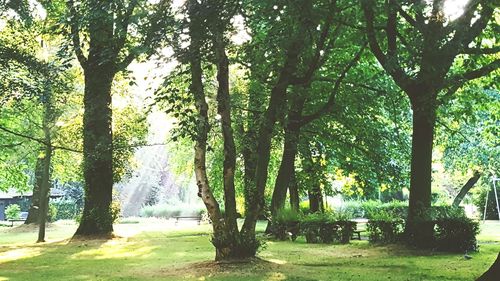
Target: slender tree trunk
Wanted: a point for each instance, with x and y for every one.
(249, 146)
(44, 194)
(224, 110)
(312, 170)
(97, 151)
(48, 120)
(200, 149)
(294, 193)
(290, 147)
(276, 104)
(34, 210)
(418, 229)
(465, 189)
(225, 239)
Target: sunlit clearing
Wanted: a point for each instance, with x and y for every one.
(19, 254)
(117, 248)
(454, 8)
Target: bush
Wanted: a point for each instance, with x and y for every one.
(369, 209)
(385, 227)
(455, 232)
(315, 228)
(286, 221)
(239, 247)
(67, 209)
(13, 212)
(327, 228)
(52, 213)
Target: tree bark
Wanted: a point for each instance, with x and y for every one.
(99, 71)
(266, 127)
(465, 189)
(44, 193)
(34, 210)
(418, 229)
(314, 191)
(290, 147)
(224, 111)
(97, 151)
(294, 193)
(48, 120)
(493, 272)
(226, 236)
(249, 146)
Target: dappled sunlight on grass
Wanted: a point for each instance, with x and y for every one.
(116, 248)
(277, 261)
(158, 250)
(20, 253)
(276, 276)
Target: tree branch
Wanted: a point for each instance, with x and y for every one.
(387, 61)
(122, 28)
(463, 78)
(75, 34)
(331, 100)
(482, 51)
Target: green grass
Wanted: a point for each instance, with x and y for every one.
(157, 250)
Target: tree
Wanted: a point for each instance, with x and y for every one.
(421, 46)
(111, 46)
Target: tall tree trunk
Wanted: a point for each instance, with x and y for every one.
(249, 145)
(44, 194)
(200, 149)
(48, 120)
(224, 110)
(99, 71)
(276, 104)
(225, 239)
(294, 193)
(312, 170)
(290, 147)
(34, 210)
(97, 151)
(465, 189)
(419, 230)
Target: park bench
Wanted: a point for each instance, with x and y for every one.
(356, 234)
(194, 218)
(15, 220)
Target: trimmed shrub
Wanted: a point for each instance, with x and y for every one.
(327, 228)
(286, 221)
(385, 228)
(455, 232)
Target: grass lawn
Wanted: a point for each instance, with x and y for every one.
(159, 250)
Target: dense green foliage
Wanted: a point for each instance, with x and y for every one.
(304, 113)
(13, 212)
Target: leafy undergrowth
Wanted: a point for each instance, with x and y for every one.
(158, 250)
